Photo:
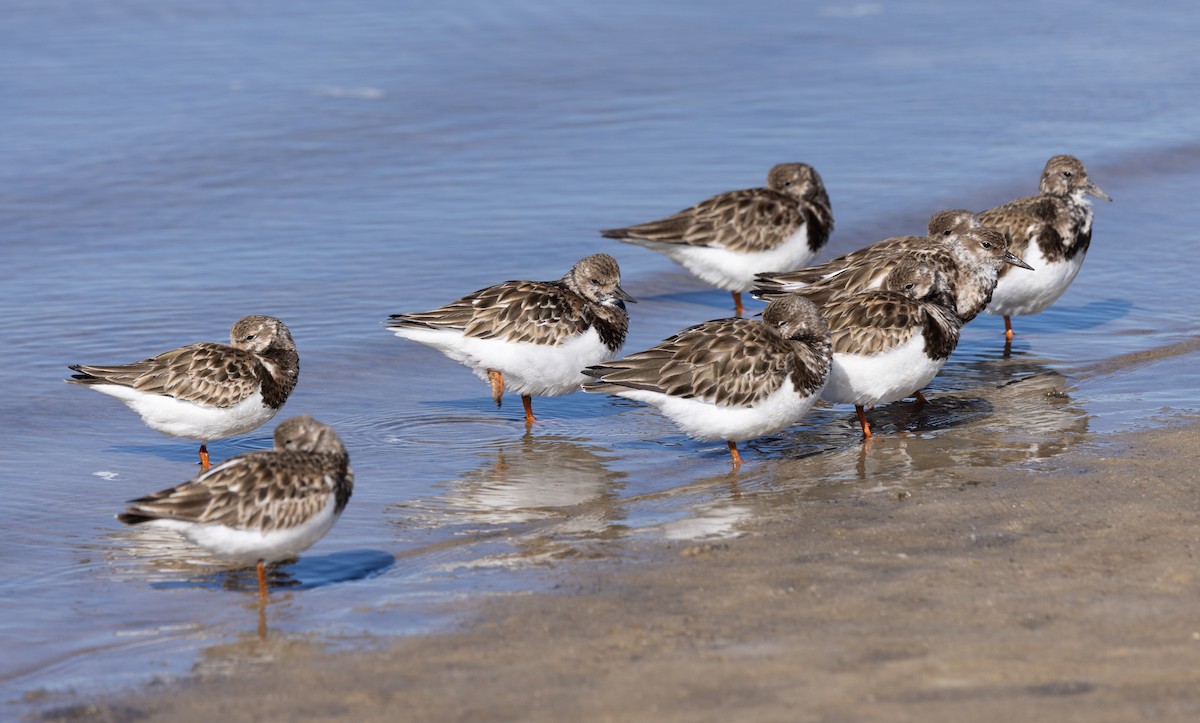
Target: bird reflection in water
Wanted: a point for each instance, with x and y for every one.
(544, 493)
(168, 562)
(1022, 420)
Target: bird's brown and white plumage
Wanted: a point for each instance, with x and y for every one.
(531, 337)
(259, 507)
(943, 226)
(727, 239)
(1052, 231)
(207, 391)
(970, 258)
(729, 379)
(889, 343)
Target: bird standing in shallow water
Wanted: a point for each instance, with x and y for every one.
(207, 391)
(1052, 231)
(729, 379)
(970, 262)
(532, 337)
(259, 507)
(727, 239)
(943, 227)
(968, 255)
(891, 342)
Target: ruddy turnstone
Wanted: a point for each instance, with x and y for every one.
(943, 226)
(730, 379)
(1052, 231)
(730, 237)
(207, 391)
(259, 507)
(969, 257)
(890, 342)
(534, 337)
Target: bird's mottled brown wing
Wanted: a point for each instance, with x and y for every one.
(872, 322)
(1021, 221)
(255, 491)
(867, 272)
(876, 321)
(851, 268)
(532, 311)
(726, 361)
(755, 219)
(207, 373)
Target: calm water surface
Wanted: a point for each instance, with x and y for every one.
(170, 167)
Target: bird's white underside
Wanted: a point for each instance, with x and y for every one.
(179, 418)
(709, 422)
(885, 377)
(250, 546)
(528, 368)
(735, 270)
(1021, 292)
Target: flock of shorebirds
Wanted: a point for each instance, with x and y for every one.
(866, 328)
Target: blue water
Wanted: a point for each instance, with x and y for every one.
(169, 167)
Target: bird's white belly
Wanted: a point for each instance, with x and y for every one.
(894, 374)
(534, 369)
(735, 270)
(1020, 291)
(249, 546)
(706, 421)
(179, 418)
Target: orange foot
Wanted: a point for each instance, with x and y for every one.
(528, 402)
(737, 303)
(862, 419)
(497, 380)
(204, 463)
(262, 581)
(737, 458)
(1008, 332)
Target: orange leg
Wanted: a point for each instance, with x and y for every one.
(921, 399)
(204, 464)
(528, 402)
(862, 419)
(1008, 332)
(262, 581)
(737, 458)
(497, 380)
(262, 618)
(737, 303)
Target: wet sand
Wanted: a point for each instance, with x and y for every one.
(1061, 588)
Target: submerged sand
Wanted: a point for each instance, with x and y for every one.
(1062, 590)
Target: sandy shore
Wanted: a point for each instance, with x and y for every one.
(1064, 590)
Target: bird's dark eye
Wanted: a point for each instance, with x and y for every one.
(596, 282)
(909, 286)
(987, 244)
(1068, 174)
(249, 337)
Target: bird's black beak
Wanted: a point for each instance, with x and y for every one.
(1010, 258)
(619, 293)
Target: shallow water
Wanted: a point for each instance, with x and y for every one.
(170, 168)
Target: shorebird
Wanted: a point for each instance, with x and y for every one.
(889, 343)
(207, 391)
(729, 379)
(1052, 231)
(727, 239)
(259, 507)
(970, 257)
(532, 337)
